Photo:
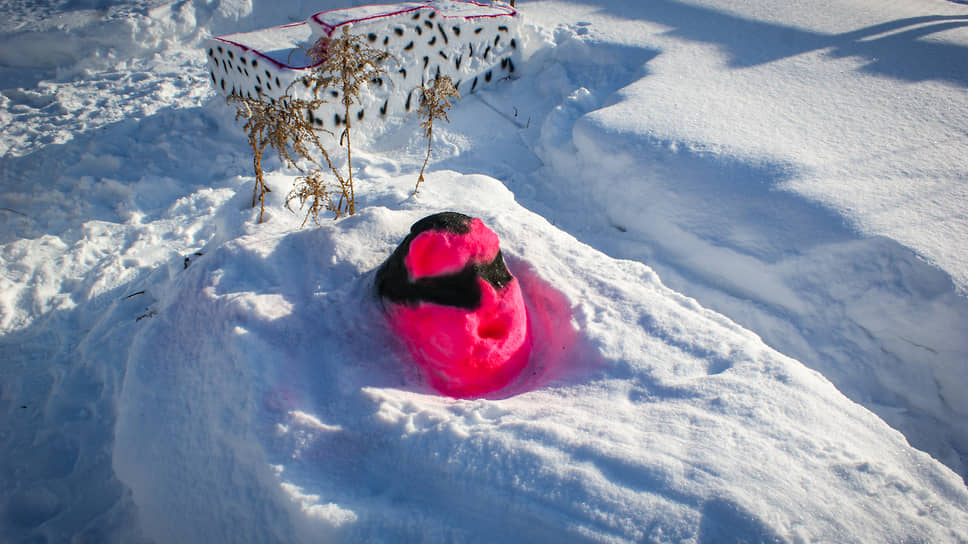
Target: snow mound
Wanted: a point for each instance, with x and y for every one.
(268, 393)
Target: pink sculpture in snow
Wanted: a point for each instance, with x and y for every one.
(449, 295)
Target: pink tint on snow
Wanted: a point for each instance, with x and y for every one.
(467, 353)
(437, 253)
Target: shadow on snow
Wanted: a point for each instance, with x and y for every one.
(868, 313)
(892, 49)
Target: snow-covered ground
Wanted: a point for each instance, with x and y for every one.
(740, 228)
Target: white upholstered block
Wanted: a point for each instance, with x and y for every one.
(475, 44)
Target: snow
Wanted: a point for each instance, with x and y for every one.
(739, 231)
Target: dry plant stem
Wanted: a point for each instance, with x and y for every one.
(258, 143)
(281, 125)
(420, 178)
(312, 187)
(260, 189)
(347, 64)
(434, 103)
(349, 163)
(345, 75)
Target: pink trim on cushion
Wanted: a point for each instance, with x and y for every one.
(328, 29)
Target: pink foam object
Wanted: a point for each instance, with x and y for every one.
(436, 252)
(463, 351)
(468, 353)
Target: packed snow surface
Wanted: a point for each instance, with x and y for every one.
(739, 229)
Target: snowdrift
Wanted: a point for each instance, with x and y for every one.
(267, 400)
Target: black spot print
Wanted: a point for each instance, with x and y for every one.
(220, 50)
(486, 51)
(432, 15)
(277, 82)
(510, 66)
(337, 120)
(471, 46)
(212, 73)
(222, 82)
(474, 84)
(407, 104)
(231, 56)
(419, 30)
(305, 82)
(408, 47)
(386, 40)
(211, 53)
(383, 109)
(429, 25)
(268, 75)
(442, 32)
(243, 61)
(487, 76)
(371, 36)
(432, 41)
(497, 39)
(514, 44)
(456, 30)
(398, 31)
(437, 75)
(426, 61)
(255, 63)
(442, 54)
(459, 58)
(478, 30)
(334, 94)
(246, 70)
(403, 71)
(502, 28)
(359, 115)
(258, 80)
(416, 14)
